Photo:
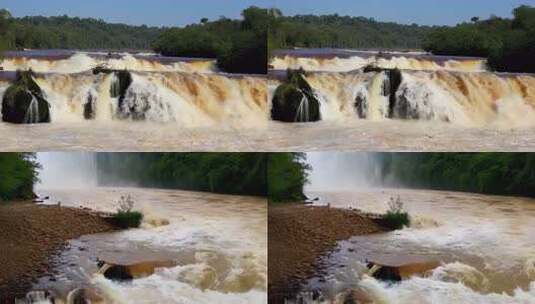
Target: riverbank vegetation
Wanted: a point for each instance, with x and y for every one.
(126, 217)
(240, 46)
(287, 174)
(396, 217)
(334, 31)
(487, 173)
(227, 173)
(509, 44)
(18, 173)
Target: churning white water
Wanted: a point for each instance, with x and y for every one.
(352, 61)
(77, 62)
(484, 244)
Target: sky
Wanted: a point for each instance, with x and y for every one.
(136, 12)
(182, 12)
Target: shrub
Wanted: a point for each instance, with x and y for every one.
(125, 217)
(396, 217)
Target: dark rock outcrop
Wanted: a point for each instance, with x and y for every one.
(129, 272)
(295, 101)
(23, 101)
(390, 89)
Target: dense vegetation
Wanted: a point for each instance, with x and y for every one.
(508, 44)
(240, 46)
(232, 173)
(490, 173)
(63, 32)
(18, 173)
(334, 31)
(287, 174)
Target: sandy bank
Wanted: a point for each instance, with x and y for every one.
(30, 234)
(299, 235)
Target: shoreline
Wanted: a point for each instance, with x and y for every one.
(32, 234)
(300, 236)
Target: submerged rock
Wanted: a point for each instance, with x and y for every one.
(128, 272)
(295, 101)
(400, 267)
(23, 101)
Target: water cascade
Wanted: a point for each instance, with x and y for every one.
(466, 99)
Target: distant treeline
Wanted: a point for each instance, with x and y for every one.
(334, 31)
(489, 173)
(18, 173)
(287, 174)
(63, 32)
(230, 173)
(508, 44)
(240, 46)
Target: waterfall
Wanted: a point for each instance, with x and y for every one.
(187, 99)
(394, 61)
(84, 61)
(32, 113)
(466, 99)
(302, 114)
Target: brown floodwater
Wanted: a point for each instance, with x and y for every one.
(485, 245)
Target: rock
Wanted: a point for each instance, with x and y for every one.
(23, 101)
(400, 267)
(129, 272)
(295, 101)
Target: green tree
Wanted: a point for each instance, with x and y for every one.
(18, 173)
(287, 175)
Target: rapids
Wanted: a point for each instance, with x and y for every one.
(213, 247)
(348, 60)
(218, 242)
(68, 62)
(485, 245)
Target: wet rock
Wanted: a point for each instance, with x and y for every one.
(295, 101)
(89, 108)
(391, 86)
(128, 272)
(400, 267)
(23, 101)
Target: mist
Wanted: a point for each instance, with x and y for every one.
(67, 170)
(341, 171)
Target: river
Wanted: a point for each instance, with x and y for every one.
(215, 245)
(484, 244)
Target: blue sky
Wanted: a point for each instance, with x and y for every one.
(428, 12)
(181, 12)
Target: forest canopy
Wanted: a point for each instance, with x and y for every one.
(229, 173)
(18, 173)
(509, 44)
(63, 32)
(240, 46)
(488, 173)
(334, 31)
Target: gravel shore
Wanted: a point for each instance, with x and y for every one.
(31, 234)
(299, 235)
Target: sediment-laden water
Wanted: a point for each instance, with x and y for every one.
(484, 244)
(215, 247)
(183, 104)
